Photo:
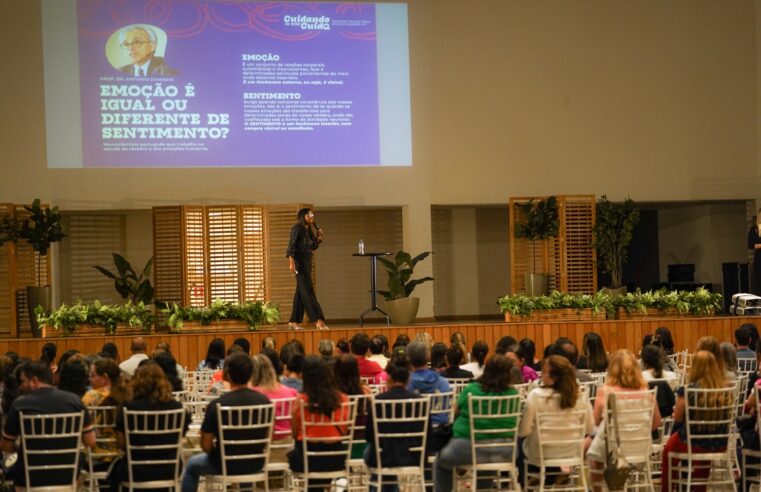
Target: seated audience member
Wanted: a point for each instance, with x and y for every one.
(386, 346)
(238, 371)
(138, 348)
(652, 360)
(360, 345)
(402, 340)
(166, 361)
(457, 338)
(478, 354)
(594, 357)
(218, 384)
(265, 382)
(40, 398)
(527, 352)
(424, 380)
(62, 362)
(454, 359)
(663, 339)
(244, 344)
(753, 336)
(624, 375)
(346, 372)
(495, 381)
(292, 376)
(424, 337)
(342, 346)
(150, 391)
(755, 375)
(377, 351)
(567, 349)
(181, 372)
(74, 376)
(322, 401)
(525, 373)
(289, 349)
(275, 361)
(506, 344)
(215, 356)
(395, 452)
(742, 342)
(269, 343)
(559, 392)
(111, 351)
(438, 356)
(729, 360)
(327, 349)
(49, 351)
(705, 373)
(711, 344)
(108, 386)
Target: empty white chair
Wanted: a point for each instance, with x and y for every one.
(709, 417)
(245, 434)
(50, 450)
(153, 439)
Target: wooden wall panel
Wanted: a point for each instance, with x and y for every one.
(7, 290)
(190, 348)
(167, 254)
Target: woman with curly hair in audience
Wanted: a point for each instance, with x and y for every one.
(322, 401)
(495, 381)
(624, 375)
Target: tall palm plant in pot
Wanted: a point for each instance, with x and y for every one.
(540, 221)
(41, 229)
(402, 308)
(612, 232)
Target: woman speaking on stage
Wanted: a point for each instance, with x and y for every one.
(305, 237)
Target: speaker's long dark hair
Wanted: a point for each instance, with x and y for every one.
(300, 216)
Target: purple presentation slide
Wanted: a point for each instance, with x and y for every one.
(169, 83)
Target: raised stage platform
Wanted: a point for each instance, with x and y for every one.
(189, 348)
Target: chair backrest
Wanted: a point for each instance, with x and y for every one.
(283, 412)
(153, 439)
(51, 445)
(378, 388)
(522, 389)
(590, 387)
(181, 396)
(201, 382)
(494, 422)
(747, 365)
(400, 428)
(442, 404)
(709, 415)
(319, 430)
(742, 387)
(197, 410)
(245, 433)
(561, 435)
(363, 404)
(103, 420)
(458, 384)
(629, 423)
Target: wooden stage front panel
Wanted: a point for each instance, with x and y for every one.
(191, 347)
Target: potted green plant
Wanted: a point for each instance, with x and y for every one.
(41, 229)
(402, 308)
(136, 288)
(541, 221)
(612, 232)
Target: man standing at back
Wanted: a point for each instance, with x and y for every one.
(138, 355)
(40, 397)
(238, 371)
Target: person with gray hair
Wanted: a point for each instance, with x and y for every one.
(326, 348)
(425, 380)
(140, 42)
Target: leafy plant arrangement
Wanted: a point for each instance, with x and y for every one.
(541, 222)
(612, 232)
(41, 229)
(136, 288)
(700, 302)
(399, 272)
(253, 313)
(67, 318)
(523, 305)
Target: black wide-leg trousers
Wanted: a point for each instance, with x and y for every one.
(305, 299)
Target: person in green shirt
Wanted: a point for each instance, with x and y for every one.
(495, 381)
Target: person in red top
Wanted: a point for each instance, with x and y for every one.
(322, 403)
(360, 345)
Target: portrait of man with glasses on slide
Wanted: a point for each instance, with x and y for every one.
(140, 41)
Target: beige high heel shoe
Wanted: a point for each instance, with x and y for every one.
(294, 326)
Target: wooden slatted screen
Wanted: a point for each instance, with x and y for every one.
(203, 253)
(167, 254)
(7, 288)
(90, 240)
(569, 259)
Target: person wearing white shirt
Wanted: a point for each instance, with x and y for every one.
(653, 359)
(137, 348)
(376, 349)
(478, 355)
